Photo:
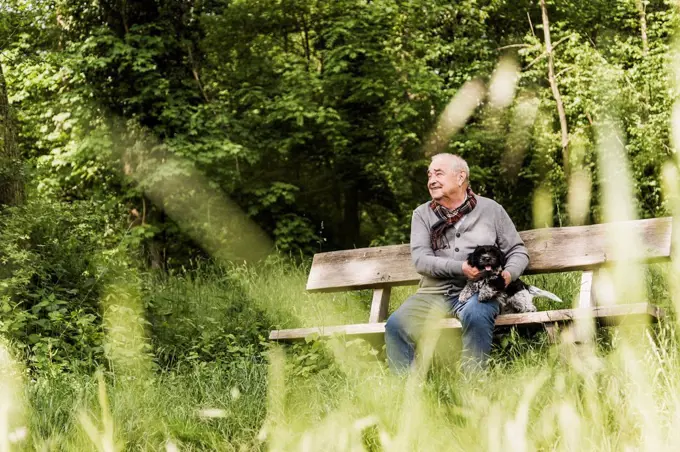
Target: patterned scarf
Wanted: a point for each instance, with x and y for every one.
(447, 218)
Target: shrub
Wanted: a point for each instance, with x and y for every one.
(53, 258)
(204, 315)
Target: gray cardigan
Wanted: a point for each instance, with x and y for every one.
(487, 224)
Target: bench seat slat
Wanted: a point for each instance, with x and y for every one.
(606, 314)
(550, 250)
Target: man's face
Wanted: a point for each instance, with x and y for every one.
(442, 180)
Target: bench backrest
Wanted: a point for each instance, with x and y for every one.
(550, 250)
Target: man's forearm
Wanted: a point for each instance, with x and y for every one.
(511, 244)
(516, 264)
(437, 267)
(423, 257)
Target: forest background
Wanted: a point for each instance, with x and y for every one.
(149, 147)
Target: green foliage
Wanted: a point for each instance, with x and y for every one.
(53, 260)
(309, 358)
(313, 115)
(165, 408)
(204, 316)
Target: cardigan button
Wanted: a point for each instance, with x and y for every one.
(457, 234)
(456, 250)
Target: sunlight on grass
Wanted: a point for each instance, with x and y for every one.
(523, 116)
(202, 211)
(543, 208)
(102, 438)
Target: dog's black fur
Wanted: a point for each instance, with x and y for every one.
(489, 260)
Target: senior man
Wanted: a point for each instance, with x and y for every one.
(443, 232)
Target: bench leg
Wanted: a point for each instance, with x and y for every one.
(380, 305)
(585, 298)
(582, 331)
(553, 331)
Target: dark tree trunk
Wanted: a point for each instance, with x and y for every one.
(158, 246)
(11, 167)
(351, 220)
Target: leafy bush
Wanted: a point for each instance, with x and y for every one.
(67, 267)
(53, 259)
(204, 315)
(65, 264)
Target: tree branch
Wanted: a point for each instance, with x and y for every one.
(535, 60)
(305, 31)
(195, 72)
(641, 6)
(553, 85)
(566, 69)
(513, 46)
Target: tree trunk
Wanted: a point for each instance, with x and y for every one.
(351, 220)
(158, 246)
(11, 168)
(643, 26)
(646, 94)
(553, 86)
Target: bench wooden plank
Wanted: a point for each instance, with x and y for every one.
(551, 250)
(605, 314)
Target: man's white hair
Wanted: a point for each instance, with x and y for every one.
(456, 161)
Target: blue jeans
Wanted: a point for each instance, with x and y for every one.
(405, 326)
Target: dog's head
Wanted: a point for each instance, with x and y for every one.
(488, 259)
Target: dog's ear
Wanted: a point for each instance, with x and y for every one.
(471, 259)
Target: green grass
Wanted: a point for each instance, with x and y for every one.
(148, 413)
(617, 393)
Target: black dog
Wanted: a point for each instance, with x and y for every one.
(516, 298)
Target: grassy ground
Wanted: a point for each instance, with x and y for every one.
(617, 393)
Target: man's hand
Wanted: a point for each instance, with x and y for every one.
(470, 272)
(506, 276)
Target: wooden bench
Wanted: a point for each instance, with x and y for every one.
(551, 250)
